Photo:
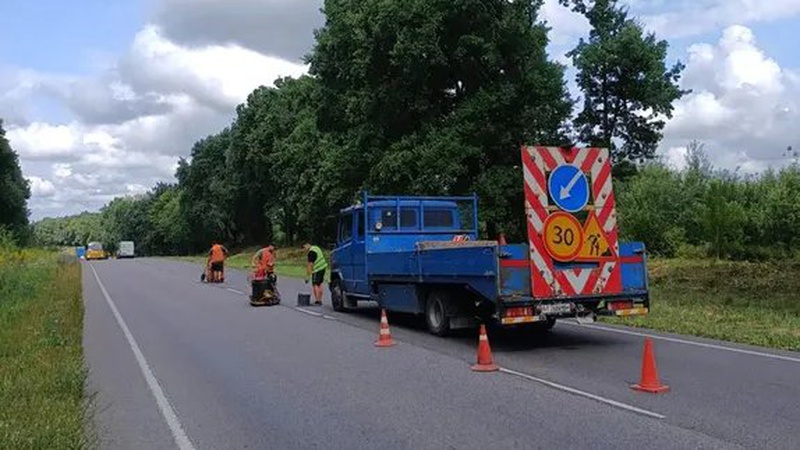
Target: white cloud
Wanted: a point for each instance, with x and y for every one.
(744, 106)
(61, 170)
(136, 189)
(686, 18)
(219, 76)
(566, 27)
(283, 28)
(41, 187)
(43, 141)
(132, 121)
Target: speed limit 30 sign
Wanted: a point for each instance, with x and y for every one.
(563, 236)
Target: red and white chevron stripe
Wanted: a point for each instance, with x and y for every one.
(547, 281)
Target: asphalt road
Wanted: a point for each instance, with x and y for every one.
(174, 363)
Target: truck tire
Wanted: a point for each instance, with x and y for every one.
(338, 297)
(436, 313)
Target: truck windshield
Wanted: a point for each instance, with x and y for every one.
(95, 246)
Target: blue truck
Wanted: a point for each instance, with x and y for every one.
(422, 255)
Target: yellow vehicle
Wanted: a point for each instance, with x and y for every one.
(95, 251)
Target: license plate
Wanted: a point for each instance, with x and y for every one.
(556, 308)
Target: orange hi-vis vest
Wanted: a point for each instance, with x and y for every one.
(217, 255)
(267, 262)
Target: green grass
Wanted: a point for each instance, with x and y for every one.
(288, 262)
(41, 358)
(750, 303)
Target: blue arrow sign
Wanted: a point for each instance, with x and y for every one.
(569, 188)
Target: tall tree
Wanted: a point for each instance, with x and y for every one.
(436, 96)
(628, 90)
(14, 190)
(206, 202)
(169, 230)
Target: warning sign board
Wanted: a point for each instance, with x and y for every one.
(563, 236)
(595, 245)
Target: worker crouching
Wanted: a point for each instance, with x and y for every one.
(263, 279)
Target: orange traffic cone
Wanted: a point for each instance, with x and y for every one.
(385, 336)
(485, 363)
(650, 382)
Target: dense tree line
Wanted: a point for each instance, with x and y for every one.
(14, 194)
(701, 211)
(427, 97)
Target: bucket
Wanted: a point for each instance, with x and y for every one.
(303, 299)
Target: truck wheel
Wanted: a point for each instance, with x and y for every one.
(337, 297)
(436, 314)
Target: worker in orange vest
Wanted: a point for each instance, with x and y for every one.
(216, 259)
(264, 262)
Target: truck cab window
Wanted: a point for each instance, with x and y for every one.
(438, 218)
(346, 227)
(408, 218)
(389, 219)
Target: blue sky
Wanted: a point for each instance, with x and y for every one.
(100, 98)
(66, 36)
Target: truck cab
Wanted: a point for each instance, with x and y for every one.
(382, 226)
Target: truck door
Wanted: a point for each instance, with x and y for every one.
(358, 255)
(344, 250)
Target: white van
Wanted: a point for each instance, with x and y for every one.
(125, 249)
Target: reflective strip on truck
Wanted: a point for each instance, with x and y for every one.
(631, 312)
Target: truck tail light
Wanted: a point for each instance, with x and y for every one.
(523, 311)
(622, 304)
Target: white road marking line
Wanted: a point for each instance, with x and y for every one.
(607, 401)
(312, 313)
(688, 342)
(181, 439)
(235, 291)
(329, 317)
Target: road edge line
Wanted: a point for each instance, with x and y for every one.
(311, 313)
(687, 342)
(584, 394)
(174, 424)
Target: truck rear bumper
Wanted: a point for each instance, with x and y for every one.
(639, 311)
(529, 310)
